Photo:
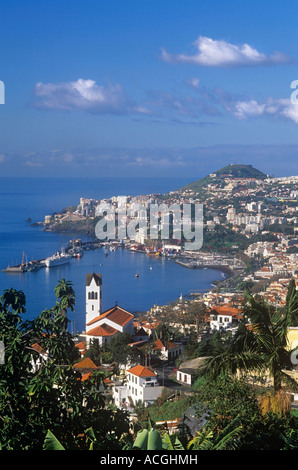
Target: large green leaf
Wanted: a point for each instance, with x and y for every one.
(148, 440)
(51, 442)
(166, 442)
(141, 440)
(154, 440)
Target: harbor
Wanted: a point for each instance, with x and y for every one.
(76, 249)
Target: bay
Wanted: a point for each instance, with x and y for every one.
(160, 281)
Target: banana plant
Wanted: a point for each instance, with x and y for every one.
(52, 443)
(152, 439)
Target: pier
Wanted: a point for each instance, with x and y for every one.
(74, 248)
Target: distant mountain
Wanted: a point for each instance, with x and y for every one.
(229, 171)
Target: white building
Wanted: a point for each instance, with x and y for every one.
(185, 376)
(103, 325)
(224, 317)
(109, 324)
(231, 214)
(142, 385)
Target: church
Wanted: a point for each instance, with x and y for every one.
(103, 326)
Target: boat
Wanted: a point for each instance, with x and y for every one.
(137, 275)
(57, 259)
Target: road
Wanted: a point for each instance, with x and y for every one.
(165, 371)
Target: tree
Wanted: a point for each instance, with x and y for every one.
(260, 344)
(232, 404)
(53, 395)
(120, 350)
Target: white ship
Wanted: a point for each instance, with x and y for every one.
(57, 260)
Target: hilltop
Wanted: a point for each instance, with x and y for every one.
(230, 171)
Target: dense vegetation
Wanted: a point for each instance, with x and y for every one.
(53, 396)
(45, 404)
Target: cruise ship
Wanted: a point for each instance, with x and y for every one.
(57, 260)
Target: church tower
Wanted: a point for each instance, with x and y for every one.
(93, 296)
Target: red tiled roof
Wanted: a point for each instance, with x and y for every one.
(102, 330)
(117, 314)
(226, 310)
(141, 371)
(158, 344)
(86, 363)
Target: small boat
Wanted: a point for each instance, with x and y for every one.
(137, 275)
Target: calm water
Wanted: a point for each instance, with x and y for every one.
(21, 198)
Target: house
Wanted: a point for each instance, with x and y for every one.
(167, 350)
(81, 346)
(187, 370)
(142, 385)
(148, 327)
(141, 335)
(223, 317)
(185, 376)
(39, 358)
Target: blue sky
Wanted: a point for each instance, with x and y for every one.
(147, 88)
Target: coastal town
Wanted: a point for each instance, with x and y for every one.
(250, 227)
(150, 361)
(250, 234)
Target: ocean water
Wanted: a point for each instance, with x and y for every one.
(160, 281)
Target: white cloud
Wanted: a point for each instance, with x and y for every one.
(275, 108)
(83, 95)
(219, 53)
(246, 109)
(289, 110)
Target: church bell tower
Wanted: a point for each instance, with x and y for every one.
(93, 296)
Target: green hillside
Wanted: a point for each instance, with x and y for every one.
(230, 171)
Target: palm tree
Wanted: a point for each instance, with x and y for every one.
(260, 343)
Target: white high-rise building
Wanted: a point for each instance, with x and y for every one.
(231, 215)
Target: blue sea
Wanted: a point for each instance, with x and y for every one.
(160, 281)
